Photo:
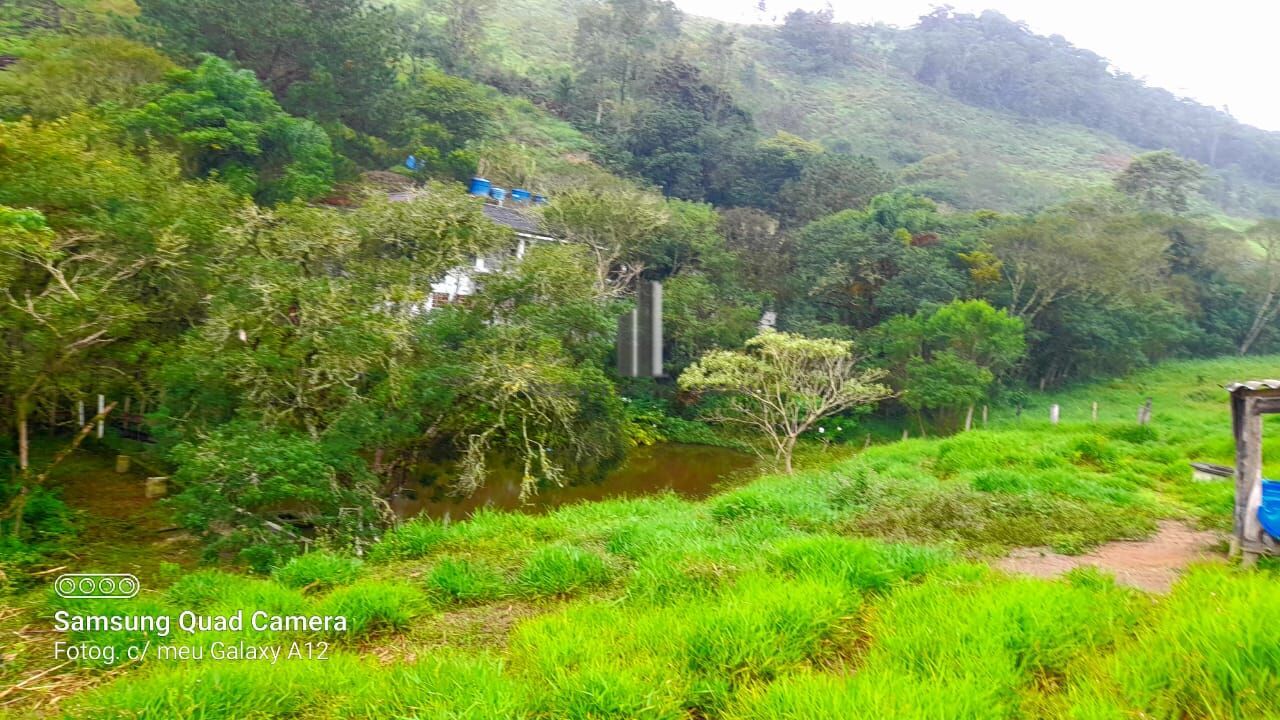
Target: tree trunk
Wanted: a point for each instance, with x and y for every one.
(1266, 313)
(788, 448)
(24, 445)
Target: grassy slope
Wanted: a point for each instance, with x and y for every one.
(762, 601)
(964, 155)
(971, 156)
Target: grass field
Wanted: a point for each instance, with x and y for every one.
(856, 589)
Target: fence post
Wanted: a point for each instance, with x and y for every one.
(102, 405)
(1095, 411)
(1053, 413)
(1144, 413)
(968, 418)
(80, 412)
(984, 416)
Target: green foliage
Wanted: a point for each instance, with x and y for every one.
(240, 484)
(442, 116)
(782, 384)
(334, 59)
(60, 75)
(1045, 78)
(562, 569)
(949, 357)
(319, 570)
(1193, 656)
(414, 539)
(1161, 181)
(753, 604)
(465, 581)
(374, 606)
(223, 122)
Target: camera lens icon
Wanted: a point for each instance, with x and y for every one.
(96, 586)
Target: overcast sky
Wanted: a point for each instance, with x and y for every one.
(1220, 53)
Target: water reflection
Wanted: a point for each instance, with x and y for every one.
(691, 471)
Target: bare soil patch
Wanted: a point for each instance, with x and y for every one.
(1153, 564)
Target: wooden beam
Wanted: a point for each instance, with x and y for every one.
(1266, 405)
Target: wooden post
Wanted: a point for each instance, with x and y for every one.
(1095, 411)
(905, 433)
(24, 451)
(1144, 413)
(1018, 414)
(984, 416)
(1246, 425)
(102, 425)
(968, 418)
(80, 411)
(867, 443)
(1054, 413)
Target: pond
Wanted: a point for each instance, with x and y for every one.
(690, 471)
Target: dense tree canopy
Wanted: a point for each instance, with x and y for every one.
(209, 208)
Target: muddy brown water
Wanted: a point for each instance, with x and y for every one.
(690, 471)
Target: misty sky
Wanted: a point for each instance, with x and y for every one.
(1219, 53)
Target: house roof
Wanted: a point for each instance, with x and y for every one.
(513, 218)
(522, 221)
(1254, 385)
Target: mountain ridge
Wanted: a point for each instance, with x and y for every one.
(941, 142)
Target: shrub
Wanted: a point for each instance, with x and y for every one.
(320, 570)
(243, 473)
(465, 581)
(863, 565)
(562, 569)
(372, 605)
(415, 539)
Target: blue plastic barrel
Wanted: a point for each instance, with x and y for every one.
(479, 186)
(520, 195)
(498, 194)
(1269, 510)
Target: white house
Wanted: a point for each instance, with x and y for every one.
(460, 282)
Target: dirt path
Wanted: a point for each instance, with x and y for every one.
(1151, 565)
(121, 530)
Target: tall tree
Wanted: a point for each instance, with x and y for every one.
(222, 121)
(1262, 278)
(617, 227)
(617, 42)
(324, 58)
(1073, 251)
(1161, 181)
(781, 385)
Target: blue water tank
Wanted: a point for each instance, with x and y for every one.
(498, 194)
(479, 186)
(539, 199)
(1269, 511)
(520, 196)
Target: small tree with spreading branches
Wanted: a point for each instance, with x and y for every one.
(782, 384)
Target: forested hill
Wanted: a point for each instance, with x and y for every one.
(975, 111)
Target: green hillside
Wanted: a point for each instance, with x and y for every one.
(956, 152)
